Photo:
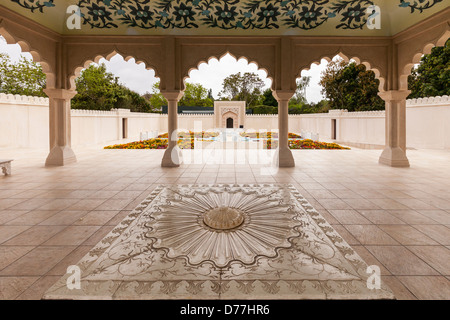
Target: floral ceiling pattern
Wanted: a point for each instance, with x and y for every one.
(224, 14)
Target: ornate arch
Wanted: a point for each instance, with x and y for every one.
(218, 57)
(82, 51)
(194, 52)
(40, 50)
(425, 48)
(373, 58)
(83, 65)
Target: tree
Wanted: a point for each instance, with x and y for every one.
(157, 100)
(432, 77)
(268, 99)
(246, 87)
(100, 90)
(195, 95)
(350, 86)
(300, 92)
(210, 95)
(128, 99)
(24, 77)
(96, 89)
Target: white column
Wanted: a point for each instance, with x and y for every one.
(61, 152)
(172, 155)
(283, 156)
(394, 154)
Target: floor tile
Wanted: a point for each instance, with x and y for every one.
(407, 235)
(400, 261)
(72, 236)
(427, 287)
(370, 235)
(438, 233)
(12, 287)
(37, 262)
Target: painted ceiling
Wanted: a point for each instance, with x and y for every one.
(228, 17)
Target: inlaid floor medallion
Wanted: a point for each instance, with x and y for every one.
(222, 242)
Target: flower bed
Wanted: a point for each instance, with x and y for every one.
(191, 135)
(268, 135)
(153, 144)
(159, 143)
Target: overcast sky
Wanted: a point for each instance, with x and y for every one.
(210, 75)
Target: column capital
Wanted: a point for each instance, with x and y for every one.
(283, 94)
(172, 95)
(61, 94)
(394, 95)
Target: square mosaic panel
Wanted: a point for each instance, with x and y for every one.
(240, 241)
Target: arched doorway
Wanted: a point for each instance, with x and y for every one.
(230, 123)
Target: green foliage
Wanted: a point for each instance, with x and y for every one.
(97, 89)
(264, 109)
(100, 90)
(156, 99)
(246, 87)
(432, 77)
(302, 108)
(268, 99)
(195, 95)
(24, 77)
(300, 92)
(350, 86)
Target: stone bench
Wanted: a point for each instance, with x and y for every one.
(6, 166)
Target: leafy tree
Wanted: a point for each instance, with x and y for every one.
(195, 95)
(24, 77)
(350, 86)
(300, 92)
(432, 77)
(128, 99)
(96, 89)
(210, 95)
(302, 108)
(264, 109)
(100, 90)
(243, 87)
(268, 99)
(156, 99)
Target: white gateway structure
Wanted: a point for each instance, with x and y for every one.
(229, 114)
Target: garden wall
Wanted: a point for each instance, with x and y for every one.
(24, 123)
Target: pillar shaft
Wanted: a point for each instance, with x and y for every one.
(284, 157)
(61, 152)
(394, 154)
(172, 156)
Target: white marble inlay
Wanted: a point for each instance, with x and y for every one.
(176, 245)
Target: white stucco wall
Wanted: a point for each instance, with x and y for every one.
(24, 123)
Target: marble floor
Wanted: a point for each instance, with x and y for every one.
(395, 218)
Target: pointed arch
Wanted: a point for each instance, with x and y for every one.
(26, 46)
(218, 57)
(76, 71)
(347, 58)
(425, 48)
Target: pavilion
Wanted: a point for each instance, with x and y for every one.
(281, 37)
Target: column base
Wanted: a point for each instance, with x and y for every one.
(284, 158)
(60, 156)
(394, 157)
(171, 158)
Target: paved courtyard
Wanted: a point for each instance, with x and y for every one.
(397, 219)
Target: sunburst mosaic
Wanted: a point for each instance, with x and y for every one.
(222, 242)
